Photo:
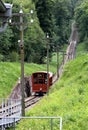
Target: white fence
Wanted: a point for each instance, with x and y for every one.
(9, 109)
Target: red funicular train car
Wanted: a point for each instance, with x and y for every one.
(39, 81)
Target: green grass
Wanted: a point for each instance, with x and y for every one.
(82, 48)
(10, 72)
(68, 98)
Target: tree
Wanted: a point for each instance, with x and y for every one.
(81, 16)
(45, 14)
(5, 43)
(62, 19)
(35, 44)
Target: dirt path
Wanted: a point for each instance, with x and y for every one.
(16, 93)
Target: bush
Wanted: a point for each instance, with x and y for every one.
(1, 57)
(13, 56)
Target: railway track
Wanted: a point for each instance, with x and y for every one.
(31, 101)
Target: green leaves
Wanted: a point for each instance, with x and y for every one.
(5, 41)
(81, 15)
(44, 12)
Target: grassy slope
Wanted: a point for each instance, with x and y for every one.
(68, 98)
(10, 72)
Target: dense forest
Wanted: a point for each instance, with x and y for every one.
(52, 17)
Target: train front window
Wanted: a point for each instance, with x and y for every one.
(40, 78)
(40, 75)
(45, 76)
(41, 81)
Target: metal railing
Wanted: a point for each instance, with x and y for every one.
(50, 124)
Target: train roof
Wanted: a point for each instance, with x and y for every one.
(50, 73)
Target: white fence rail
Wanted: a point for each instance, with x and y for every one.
(9, 109)
(51, 122)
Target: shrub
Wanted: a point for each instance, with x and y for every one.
(13, 56)
(1, 57)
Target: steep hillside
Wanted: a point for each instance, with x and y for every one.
(68, 98)
(10, 72)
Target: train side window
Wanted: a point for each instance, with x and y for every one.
(35, 81)
(45, 81)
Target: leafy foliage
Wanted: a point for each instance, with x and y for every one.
(50, 16)
(62, 20)
(5, 43)
(34, 37)
(45, 12)
(81, 15)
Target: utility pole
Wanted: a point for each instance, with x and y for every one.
(57, 50)
(22, 63)
(21, 26)
(47, 63)
(63, 56)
